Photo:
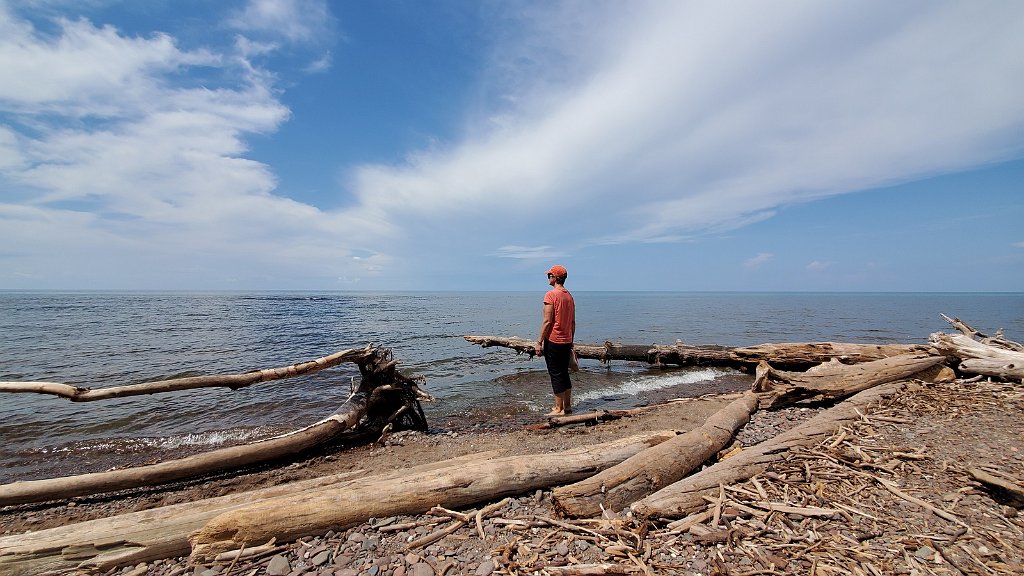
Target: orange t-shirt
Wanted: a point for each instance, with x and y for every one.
(565, 315)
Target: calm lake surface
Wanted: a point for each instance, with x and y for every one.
(99, 339)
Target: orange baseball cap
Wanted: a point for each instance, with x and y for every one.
(558, 270)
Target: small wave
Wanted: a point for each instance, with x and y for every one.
(641, 384)
(214, 439)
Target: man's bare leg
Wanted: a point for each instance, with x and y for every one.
(566, 401)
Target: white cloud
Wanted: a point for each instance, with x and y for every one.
(710, 117)
(1019, 244)
(759, 260)
(84, 68)
(294, 20)
(529, 252)
(818, 265)
(604, 123)
(123, 173)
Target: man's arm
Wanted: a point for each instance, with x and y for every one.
(546, 326)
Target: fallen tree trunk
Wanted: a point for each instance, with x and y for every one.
(833, 380)
(806, 355)
(998, 341)
(786, 355)
(232, 381)
(390, 395)
(1005, 490)
(980, 358)
(654, 468)
(153, 534)
(127, 539)
(317, 511)
(687, 495)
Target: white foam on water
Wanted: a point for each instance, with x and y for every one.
(641, 384)
(201, 439)
(213, 438)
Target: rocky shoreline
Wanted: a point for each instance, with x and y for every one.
(921, 443)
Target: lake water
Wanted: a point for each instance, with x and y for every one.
(100, 339)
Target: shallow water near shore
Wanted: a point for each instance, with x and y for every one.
(98, 339)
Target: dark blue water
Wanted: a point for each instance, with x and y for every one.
(111, 338)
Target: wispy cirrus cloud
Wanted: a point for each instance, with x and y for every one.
(299, 21)
(710, 118)
(615, 126)
(759, 260)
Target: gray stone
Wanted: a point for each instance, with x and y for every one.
(278, 566)
(421, 569)
(485, 568)
(562, 549)
(924, 553)
(321, 558)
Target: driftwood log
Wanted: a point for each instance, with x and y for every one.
(796, 356)
(157, 533)
(1004, 489)
(980, 358)
(315, 512)
(833, 380)
(687, 495)
(654, 468)
(232, 381)
(980, 354)
(998, 340)
(382, 392)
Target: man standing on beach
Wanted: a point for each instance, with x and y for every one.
(556, 338)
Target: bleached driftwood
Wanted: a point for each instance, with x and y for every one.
(656, 467)
(148, 535)
(381, 390)
(687, 495)
(317, 511)
(785, 355)
(990, 356)
(998, 340)
(833, 380)
(232, 381)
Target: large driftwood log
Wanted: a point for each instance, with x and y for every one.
(317, 511)
(687, 495)
(981, 358)
(380, 388)
(232, 381)
(654, 468)
(149, 535)
(998, 341)
(127, 539)
(787, 355)
(833, 380)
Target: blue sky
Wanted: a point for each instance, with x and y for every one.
(407, 145)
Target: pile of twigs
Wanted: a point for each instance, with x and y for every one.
(867, 501)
